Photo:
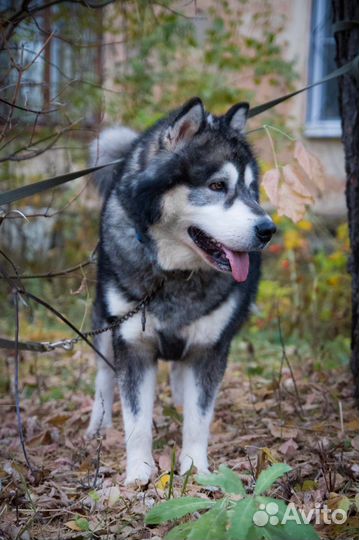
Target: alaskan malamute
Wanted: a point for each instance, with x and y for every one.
(182, 208)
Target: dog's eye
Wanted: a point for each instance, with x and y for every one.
(217, 186)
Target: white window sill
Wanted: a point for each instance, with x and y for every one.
(330, 129)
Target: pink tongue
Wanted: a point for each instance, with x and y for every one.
(239, 261)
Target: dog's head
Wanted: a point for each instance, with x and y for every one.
(197, 198)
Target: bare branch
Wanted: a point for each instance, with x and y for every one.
(34, 153)
(27, 109)
(17, 393)
(49, 275)
(24, 12)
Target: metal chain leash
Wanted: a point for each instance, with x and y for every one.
(68, 343)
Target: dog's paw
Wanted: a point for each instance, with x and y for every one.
(201, 466)
(140, 473)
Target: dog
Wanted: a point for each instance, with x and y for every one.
(181, 209)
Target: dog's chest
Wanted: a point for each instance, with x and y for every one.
(172, 332)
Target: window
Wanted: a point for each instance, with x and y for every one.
(61, 49)
(322, 107)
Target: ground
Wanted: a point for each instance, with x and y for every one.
(299, 415)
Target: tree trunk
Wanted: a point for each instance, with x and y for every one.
(347, 43)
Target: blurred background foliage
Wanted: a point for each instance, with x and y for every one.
(167, 57)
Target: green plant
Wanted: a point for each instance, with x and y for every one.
(236, 516)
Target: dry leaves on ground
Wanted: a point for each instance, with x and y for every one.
(77, 489)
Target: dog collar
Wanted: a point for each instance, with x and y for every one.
(139, 236)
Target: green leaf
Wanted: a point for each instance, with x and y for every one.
(180, 532)
(269, 476)
(175, 509)
(212, 525)
(225, 479)
(290, 531)
(241, 521)
(283, 531)
(82, 524)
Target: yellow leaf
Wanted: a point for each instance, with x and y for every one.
(269, 455)
(292, 240)
(59, 419)
(353, 425)
(278, 220)
(72, 525)
(305, 225)
(309, 485)
(163, 481)
(335, 280)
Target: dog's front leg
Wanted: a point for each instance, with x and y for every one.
(201, 382)
(101, 416)
(137, 379)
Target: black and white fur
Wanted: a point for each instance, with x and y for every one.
(185, 195)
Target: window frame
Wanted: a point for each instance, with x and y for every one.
(316, 127)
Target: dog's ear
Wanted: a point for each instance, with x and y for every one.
(185, 125)
(236, 116)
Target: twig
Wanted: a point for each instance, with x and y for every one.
(275, 159)
(34, 153)
(17, 395)
(186, 479)
(98, 461)
(179, 14)
(341, 417)
(99, 447)
(286, 359)
(172, 472)
(49, 275)
(26, 109)
(252, 469)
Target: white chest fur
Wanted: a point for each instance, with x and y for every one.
(203, 331)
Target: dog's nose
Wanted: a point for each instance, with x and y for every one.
(265, 230)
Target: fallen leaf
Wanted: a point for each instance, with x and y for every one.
(309, 485)
(165, 462)
(163, 481)
(355, 442)
(111, 495)
(58, 419)
(43, 438)
(282, 432)
(338, 501)
(353, 425)
(113, 438)
(72, 525)
(288, 448)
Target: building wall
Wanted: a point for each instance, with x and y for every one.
(329, 149)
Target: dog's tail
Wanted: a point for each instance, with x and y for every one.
(112, 143)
